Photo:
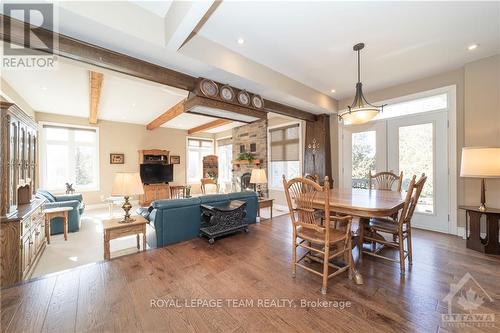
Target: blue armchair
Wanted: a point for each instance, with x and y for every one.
(74, 201)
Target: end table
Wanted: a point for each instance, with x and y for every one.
(264, 203)
(489, 244)
(56, 212)
(113, 229)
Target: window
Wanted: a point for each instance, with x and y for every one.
(69, 155)
(419, 105)
(197, 149)
(414, 106)
(284, 145)
(225, 154)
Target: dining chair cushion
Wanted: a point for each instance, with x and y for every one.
(318, 237)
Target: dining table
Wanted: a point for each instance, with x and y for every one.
(362, 203)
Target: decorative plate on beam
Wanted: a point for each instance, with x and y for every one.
(227, 93)
(257, 102)
(243, 98)
(209, 88)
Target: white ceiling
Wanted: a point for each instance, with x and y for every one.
(294, 52)
(65, 91)
(311, 42)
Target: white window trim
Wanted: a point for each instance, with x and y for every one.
(451, 91)
(43, 156)
(301, 151)
(187, 155)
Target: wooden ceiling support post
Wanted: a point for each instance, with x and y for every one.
(95, 80)
(168, 115)
(207, 126)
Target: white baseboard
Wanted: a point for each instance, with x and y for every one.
(461, 232)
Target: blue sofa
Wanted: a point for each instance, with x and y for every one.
(177, 220)
(52, 201)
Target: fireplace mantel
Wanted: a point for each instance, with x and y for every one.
(246, 162)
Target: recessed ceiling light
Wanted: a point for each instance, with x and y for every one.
(333, 90)
(241, 41)
(44, 88)
(472, 47)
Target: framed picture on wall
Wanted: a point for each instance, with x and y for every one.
(115, 158)
(175, 159)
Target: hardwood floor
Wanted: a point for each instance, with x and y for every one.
(117, 295)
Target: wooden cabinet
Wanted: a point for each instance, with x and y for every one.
(23, 240)
(18, 165)
(154, 192)
(22, 226)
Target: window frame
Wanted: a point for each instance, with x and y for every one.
(301, 151)
(96, 187)
(187, 156)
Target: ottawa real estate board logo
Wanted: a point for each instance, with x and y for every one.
(28, 29)
(468, 305)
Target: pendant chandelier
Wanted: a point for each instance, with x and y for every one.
(360, 111)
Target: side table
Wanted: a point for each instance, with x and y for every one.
(488, 244)
(264, 203)
(56, 212)
(113, 229)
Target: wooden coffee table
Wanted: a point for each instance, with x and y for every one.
(264, 203)
(113, 229)
(56, 212)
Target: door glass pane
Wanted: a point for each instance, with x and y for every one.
(363, 157)
(416, 156)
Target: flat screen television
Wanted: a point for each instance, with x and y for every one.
(157, 173)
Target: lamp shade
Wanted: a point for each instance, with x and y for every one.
(258, 176)
(127, 184)
(480, 162)
(359, 116)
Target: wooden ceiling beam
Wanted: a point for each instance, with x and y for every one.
(95, 79)
(77, 50)
(288, 111)
(208, 126)
(74, 49)
(168, 115)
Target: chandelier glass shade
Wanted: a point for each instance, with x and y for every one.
(360, 111)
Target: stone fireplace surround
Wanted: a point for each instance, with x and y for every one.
(250, 138)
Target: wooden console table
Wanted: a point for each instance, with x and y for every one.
(490, 243)
(113, 229)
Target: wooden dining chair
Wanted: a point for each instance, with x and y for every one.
(385, 180)
(208, 181)
(400, 228)
(177, 192)
(314, 178)
(315, 234)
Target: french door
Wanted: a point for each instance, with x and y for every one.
(413, 144)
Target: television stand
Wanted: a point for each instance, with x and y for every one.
(157, 191)
(154, 192)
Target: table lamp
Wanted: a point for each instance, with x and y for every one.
(125, 185)
(258, 177)
(481, 162)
